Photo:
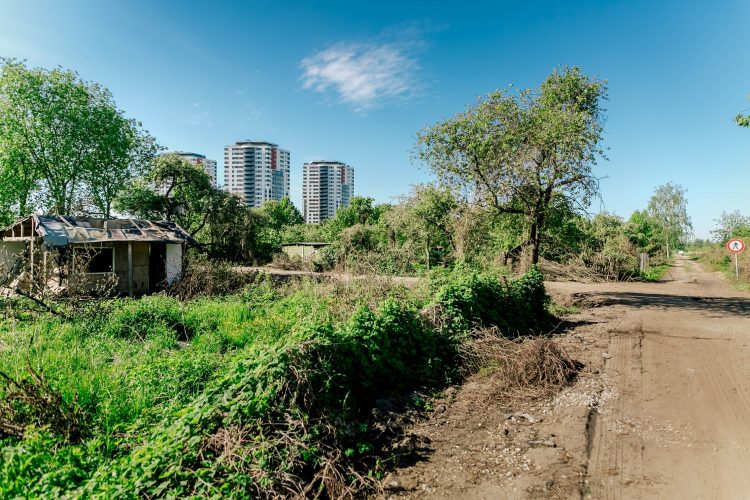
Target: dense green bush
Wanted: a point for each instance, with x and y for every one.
(43, 465)
(471, 298)
(137, 319)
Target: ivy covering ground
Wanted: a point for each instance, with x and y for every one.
(264, 393)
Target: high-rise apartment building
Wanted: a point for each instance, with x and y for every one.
(326, 187)
(257, 171)
(201, 160)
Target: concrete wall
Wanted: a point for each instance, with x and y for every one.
(140, 267)
(301, 251)
(174, 262)
(9, 252)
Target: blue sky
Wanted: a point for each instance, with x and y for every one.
(355, 81)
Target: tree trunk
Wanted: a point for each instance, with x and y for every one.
(427, 252)
(534, 242)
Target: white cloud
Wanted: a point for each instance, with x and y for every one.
(364, 75)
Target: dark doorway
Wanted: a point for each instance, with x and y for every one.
(157, 267)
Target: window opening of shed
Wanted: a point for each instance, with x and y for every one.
(100, 260)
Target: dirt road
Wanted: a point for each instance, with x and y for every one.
(678, 422)
(661, 411)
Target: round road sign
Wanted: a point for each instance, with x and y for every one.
(735, 246)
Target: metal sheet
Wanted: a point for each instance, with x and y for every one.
(57, 231)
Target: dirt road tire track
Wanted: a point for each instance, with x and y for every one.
(678, 424)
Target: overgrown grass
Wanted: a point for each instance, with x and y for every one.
(263, 393)
(656, 273)
(718, 258)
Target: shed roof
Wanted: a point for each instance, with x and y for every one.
(307, 244)
(60, 231)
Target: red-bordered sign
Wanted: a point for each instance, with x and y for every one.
(735, 246)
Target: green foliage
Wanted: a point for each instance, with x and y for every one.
(643, 232)
(655, 273)
(304, 232)
(668, 210)
(517, 307)
(173, 190)
(389, 351)
(517, 151)
(234, 231)
(731, 225)
(424, 222)
(275, 218)
(567, 232)
(281, 214)
(742, 120)
(64, 143)
(717, 258)
(361, 210)
(176, 190)
(44, 465)
(143, 318)
(246, 394)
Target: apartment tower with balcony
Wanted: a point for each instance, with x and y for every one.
(197, 159)
(257, 171)
(327, 186)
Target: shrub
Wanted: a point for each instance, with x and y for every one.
(146, 317)
(202, 277)
(44, 465)
(468, 298)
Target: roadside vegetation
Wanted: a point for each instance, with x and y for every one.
(266, 392)
(714, 254)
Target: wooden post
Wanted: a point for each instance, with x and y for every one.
(130, 268)
(31, 251)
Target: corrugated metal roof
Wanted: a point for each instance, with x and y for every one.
(307, 244)
(59, 231)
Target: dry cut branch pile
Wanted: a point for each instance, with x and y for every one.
(526, 368)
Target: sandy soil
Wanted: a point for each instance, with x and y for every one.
(662, 409)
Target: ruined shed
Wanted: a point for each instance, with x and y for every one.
(136, 256)
(304, 249)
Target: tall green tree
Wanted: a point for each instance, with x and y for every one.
(361, 210)
(514, 151)
(173, 190)
(643, 231)
(730, 225)
(234, 231)
(281, 213)
(64, 142)
(273, 218)
(425, 218)
(668, 209)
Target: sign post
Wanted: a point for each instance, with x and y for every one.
(736, 246)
